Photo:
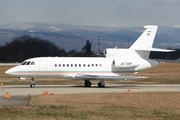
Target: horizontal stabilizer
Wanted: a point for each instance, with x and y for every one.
(155, 49)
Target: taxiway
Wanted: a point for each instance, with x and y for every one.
(73, 89)
(20, 94)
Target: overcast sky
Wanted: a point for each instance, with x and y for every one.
(110, 13)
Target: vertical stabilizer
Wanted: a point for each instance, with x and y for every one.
(145, 41)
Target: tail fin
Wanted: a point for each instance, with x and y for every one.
(145, 41)
(143, 45)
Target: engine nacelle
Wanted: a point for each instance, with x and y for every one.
(124, 64)
(114, 52)
(111, 52)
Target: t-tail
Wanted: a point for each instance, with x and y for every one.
(143, 45)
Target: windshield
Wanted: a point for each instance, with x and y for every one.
(28, 63)
(24, 63)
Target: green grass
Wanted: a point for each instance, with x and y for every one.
(101, 113)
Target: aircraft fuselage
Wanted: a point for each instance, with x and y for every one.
(70, 67)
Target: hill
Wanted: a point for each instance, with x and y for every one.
(73, 37)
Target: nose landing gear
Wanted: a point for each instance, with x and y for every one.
(32, 81)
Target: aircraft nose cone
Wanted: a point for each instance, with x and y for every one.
(7, 71)
(11, 71)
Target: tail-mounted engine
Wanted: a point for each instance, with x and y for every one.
(111, 52)
(124, 64)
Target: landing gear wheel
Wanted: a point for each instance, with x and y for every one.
(32, 85)
(100, 85)
(87, 83)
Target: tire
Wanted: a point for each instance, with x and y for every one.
(100, 85)
(88, 84)
(32, 85)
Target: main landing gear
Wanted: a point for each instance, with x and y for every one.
(101, 84)
(33, 82)
(87, 83)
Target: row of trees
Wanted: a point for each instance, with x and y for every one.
(166, 55)
(24, 47)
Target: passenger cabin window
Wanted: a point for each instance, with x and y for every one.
(65, 65)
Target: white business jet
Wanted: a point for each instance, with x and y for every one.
(115, 64)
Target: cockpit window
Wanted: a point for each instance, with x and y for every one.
(24, 62)
(32, 63)
(27, 63)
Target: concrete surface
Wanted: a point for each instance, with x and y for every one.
(19, 94)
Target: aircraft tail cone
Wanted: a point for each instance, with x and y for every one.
(1, 84)
(7, 95)
(45, 93)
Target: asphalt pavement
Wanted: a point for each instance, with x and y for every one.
(20, 94)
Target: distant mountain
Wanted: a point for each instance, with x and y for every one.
(74, 37)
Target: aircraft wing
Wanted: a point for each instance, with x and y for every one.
(84, 76)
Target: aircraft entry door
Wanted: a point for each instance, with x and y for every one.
(42, 68)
